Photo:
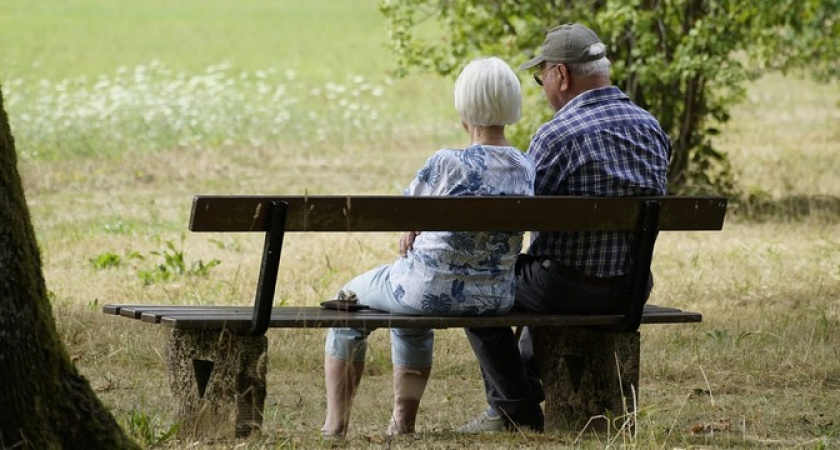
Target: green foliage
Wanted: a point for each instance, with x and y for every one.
(147, 429)
(105, 261)
(174, 264)
(108, 260)
(686, 61)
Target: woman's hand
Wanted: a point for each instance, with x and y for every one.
(407, 242)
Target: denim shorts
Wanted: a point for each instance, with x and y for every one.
(410, 347)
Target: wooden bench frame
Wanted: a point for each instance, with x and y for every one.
(589, 365)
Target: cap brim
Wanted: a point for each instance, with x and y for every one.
(535, 61)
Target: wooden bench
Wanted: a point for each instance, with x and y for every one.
(589, 364)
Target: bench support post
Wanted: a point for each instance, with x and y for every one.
(588, 374)
(267, 282)
(218, 380)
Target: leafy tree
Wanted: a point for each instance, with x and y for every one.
(686, 61)
(44, 402)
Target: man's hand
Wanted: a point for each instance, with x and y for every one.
(407, 242)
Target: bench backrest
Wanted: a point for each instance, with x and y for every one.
(275, 215)
(498, 213)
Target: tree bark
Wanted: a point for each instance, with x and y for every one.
(44, 402)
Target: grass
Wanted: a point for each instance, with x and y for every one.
(91, 37)
(762, 369)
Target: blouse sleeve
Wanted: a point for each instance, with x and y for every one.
(427, 178)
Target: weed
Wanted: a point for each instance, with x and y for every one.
(105, 261)
(175, 265)
(147, 429)
(227, 245)
(117, 226)
(108, 260)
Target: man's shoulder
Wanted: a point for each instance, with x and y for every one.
(612, 110)
(593, 112)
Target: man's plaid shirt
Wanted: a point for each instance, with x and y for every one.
(599, 144)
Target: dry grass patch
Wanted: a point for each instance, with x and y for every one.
(761, 370)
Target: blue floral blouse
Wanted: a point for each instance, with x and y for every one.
(464, 273)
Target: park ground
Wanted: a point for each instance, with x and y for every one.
(116, 133)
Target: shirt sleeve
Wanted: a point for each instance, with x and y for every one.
(554, 162)
(426, 180)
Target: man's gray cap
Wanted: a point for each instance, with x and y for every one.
(569, 43)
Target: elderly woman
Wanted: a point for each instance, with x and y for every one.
(443, 273)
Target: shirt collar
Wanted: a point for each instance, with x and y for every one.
(592, 96)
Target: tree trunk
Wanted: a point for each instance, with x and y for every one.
(44, 402)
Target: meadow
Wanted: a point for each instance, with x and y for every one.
(122, 112)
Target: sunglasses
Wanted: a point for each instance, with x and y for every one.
(538, 75)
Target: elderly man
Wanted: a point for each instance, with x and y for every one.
(598, 143)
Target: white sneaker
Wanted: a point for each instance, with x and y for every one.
(482, 423)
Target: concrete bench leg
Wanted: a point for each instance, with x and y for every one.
(587, 373)
(218, 381)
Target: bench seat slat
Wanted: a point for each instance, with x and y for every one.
(317, 318)
(135, 311)
(155, 315)
(238, 318)
(119, 309)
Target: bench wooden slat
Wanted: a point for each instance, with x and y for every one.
(237, 318)
(382, 320)
(154, 315)
(397, 213)
(137, 310)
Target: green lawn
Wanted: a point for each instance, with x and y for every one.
(321, 39)
(100, 78)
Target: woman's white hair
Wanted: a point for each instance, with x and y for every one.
(487, 93)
